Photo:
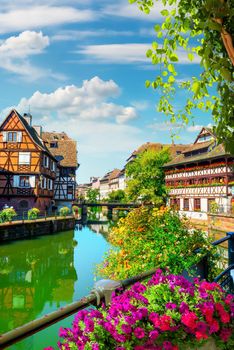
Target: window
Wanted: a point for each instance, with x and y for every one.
(24, 157)
(50, 184)
(12, 136)
(69, 189)
(197, 204)
(24, 181)
(54, 144)
(43, 183)
(46, 161)
(186, 204)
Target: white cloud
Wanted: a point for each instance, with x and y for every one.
(88, 102)
(25, 44)
(72, 35)
(123, 9)
(126, 53)
(16, 50)
(196, 128)
(166, 126)
(33, 17)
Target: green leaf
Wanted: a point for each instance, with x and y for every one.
(174, 58)
(149, 53)
(157, 27)
(214, 25)
(171, 68)
(147, 84)
(195, 87)
(154, 45)
(190, 56)
(226, 74)
(164, 12)
(171, 79)
(164, 73)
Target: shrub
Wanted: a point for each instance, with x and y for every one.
(150, 238)
(166, 313)
(64, 211)
(33, 213)
(7, 214)
(214, 207)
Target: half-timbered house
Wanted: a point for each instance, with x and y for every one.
(64, 149)
(201, 176)
(27, 168)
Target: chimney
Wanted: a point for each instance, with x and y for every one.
(28, 118)
(38, 129)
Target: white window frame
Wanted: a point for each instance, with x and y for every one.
(23, 186)
(46, 161)
(26, 158)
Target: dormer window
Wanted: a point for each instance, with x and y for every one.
(54, 144)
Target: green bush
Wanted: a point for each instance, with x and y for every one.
(150, 238)
(64, 211)
(7, 214)
(33, 213)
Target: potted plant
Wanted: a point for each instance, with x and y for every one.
(166, 313)
(33, 214)
(64, 211)
(7, 214)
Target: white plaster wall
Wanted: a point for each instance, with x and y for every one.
(204, 204)
(194, 214)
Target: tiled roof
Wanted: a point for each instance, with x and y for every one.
(199, 145)
(157, 147)
(66, 152)
(215, 152)
(114, 174)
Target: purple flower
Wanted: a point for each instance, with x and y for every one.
(167, 345)
(183, 307)
(171, 306)
(95, 346)
(139, 332)
(126, 328)
(154, 335)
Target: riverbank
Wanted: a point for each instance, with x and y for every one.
(31, 228)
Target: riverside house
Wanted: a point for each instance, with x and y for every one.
(27, 167)
(201, 176)
(64, 150)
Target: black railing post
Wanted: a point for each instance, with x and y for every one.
(230, 248)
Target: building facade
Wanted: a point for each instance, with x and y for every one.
(200, 176)
(27, 168)
(64, 150)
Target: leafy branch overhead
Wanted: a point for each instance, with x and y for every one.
(202, 29)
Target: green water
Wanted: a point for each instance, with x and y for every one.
(38, 276)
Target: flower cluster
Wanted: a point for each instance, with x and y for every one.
(166, 313)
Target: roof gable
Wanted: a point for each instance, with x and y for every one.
(204, 135)
(28, 128)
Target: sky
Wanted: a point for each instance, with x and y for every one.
(79, 66)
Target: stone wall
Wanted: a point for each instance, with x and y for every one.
(31, 228)
(221, 222)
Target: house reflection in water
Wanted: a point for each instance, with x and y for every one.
(34, 276)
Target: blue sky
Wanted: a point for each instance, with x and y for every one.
(80, 66)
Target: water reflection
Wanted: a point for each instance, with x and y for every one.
(33, 274)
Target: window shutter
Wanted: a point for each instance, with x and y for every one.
(19, 136)
(16, 181)
(32, 181)
(4, 134)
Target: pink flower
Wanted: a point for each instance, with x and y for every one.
(225, 334)
(139, 332)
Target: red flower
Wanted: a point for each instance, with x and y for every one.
(189, 319)
(165, 322)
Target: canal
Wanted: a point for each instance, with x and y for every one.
(38, 276)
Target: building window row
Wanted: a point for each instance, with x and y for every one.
(12, 136)
(49, 163)
(190, 204)
(46, 183)
(197, 182)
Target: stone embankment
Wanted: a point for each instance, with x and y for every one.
(31, 228)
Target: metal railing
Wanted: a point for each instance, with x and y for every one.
(102, 291)
(23, 216)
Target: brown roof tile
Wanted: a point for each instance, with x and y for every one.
(66, 152)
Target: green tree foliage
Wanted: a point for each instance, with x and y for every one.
(146, 177)
(201, 28)
(117, 196)
(93, 195)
